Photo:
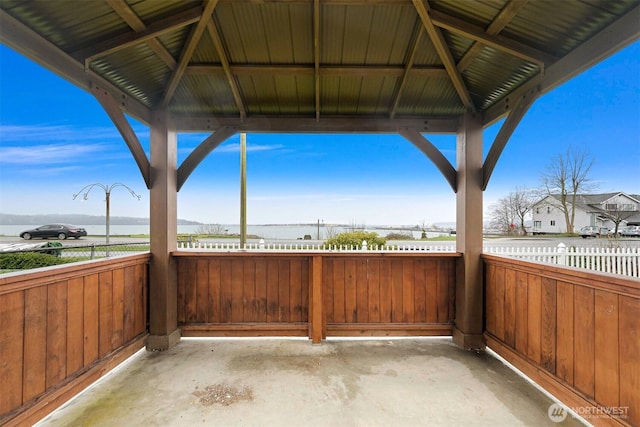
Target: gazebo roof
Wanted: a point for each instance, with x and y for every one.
(330, 65)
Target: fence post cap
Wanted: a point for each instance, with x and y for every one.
(561, 246)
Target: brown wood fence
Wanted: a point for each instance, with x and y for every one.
(63, 327)
(315, 294)
(575, 333)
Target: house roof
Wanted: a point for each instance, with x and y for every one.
(318, 65)
(592, 202)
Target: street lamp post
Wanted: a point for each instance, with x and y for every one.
(107, 191)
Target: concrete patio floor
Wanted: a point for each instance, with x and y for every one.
(290, 382)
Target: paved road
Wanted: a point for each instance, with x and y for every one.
(537, 241)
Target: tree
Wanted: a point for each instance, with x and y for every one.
(618, 213)
(565, 177)
(508, 213)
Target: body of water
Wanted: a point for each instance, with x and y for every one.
(278, 231)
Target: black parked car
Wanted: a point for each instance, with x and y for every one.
(59, 231)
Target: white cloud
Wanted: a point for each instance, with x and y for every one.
(235, 148)
(41, 133)
(47, 154)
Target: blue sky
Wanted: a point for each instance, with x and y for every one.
(55, 139)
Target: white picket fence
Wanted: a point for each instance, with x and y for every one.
(302, 247)
(623, 261)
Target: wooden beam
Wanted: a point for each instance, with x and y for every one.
(200, 152)
(413, 50)
(133, 38)
(187, 51)
(235, 90)
(327, 124)
(505, 132)
(316, 55)
(309, 70)
(30, 44)
(430, 150)
(508, 12)
(611, 39)
(503, 44)
(422, 7)
(129, 16)
(114, 112)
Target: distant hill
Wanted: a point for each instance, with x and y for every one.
(75, 219)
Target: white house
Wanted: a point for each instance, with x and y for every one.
(601, 210)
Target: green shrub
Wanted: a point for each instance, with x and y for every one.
(400, 236)
(355, 238)
(29, 260)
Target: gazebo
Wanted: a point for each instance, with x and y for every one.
(324, 66)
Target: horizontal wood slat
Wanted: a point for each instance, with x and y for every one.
(576, 333)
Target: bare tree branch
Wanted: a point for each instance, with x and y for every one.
(566, 176)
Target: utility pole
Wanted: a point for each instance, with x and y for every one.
(243, 190)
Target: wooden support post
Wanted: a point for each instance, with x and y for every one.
(243, 190)
(163, 295)
(467, 332)
(316, 314)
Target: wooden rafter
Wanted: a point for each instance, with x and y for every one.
(503, 44)
(503, 18)
(407, 69)
(187, 52)
(304, 70)
(316, 55)
(422, 7)
(217, 43)
(134, 38)
(129, 16)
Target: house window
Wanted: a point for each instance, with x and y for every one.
(553, 222)
(548, 209)
(629, 207)
(537, 224)
(611, 207)
(537, 210)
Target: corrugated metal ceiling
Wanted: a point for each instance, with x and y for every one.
(314, 59)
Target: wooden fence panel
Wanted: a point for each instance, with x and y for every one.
(577, 333)
(629, 325)
(260, 294)
(59, 327)
(403, 294)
